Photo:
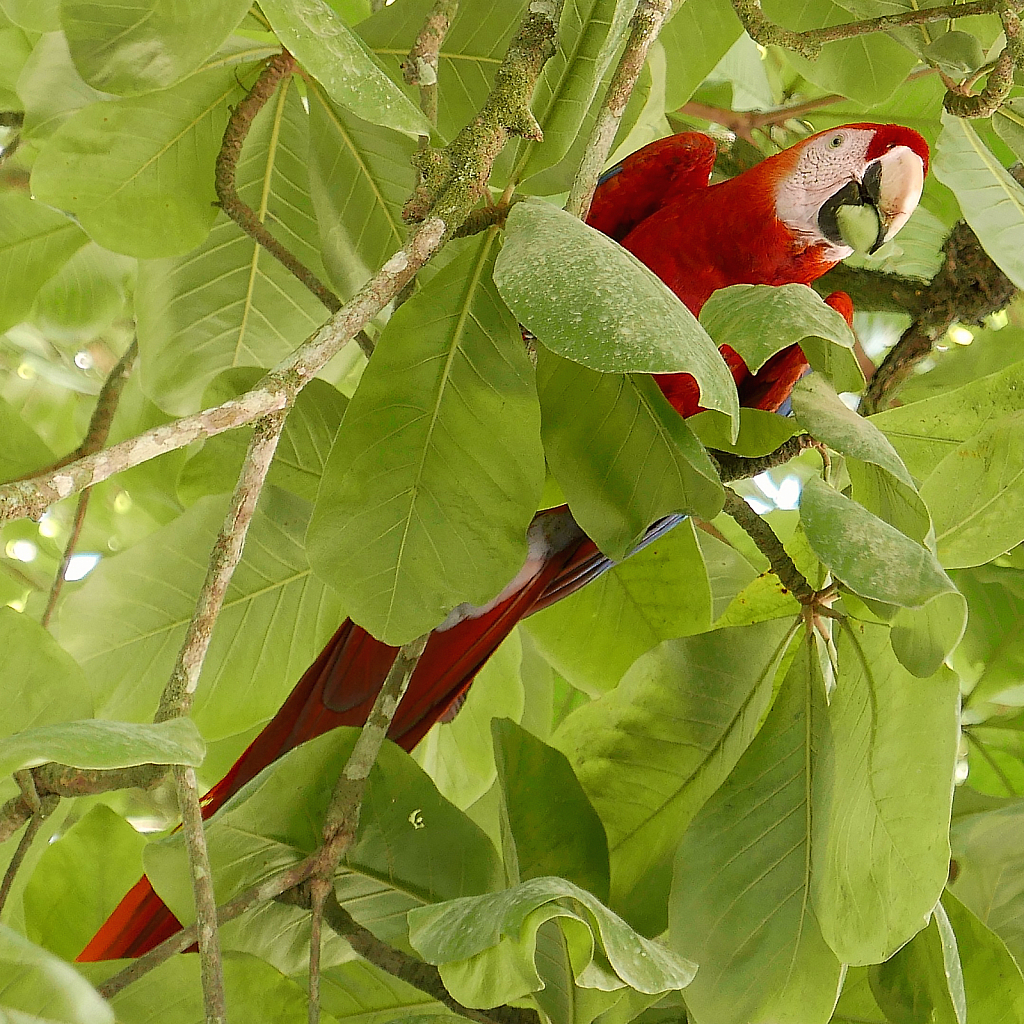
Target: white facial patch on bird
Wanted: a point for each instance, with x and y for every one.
(825, 165)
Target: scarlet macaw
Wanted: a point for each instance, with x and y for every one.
(787, 220)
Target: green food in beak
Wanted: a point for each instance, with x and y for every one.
(859, 227)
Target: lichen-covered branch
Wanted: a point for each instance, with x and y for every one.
(968, 287)
(650, 15)
(736, 467)
(420, 67)
(962, 102)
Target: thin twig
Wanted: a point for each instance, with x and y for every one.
(95, 438)
(12, 118)
(736, 467)
(769, 545)
(41, 808)
(647, 21)
(959, 99)
(420, 67)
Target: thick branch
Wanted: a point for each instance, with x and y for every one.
(647, 21)
(968, 287)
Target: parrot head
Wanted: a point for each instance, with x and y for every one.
(850, 189)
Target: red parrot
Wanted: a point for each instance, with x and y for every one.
(787, 220)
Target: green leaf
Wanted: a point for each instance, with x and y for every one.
(437, 469)
(957, 53)
(758, 320)
(923, 980)
(975, 495)
(459, 755)
(358, 993)
(993, 983)
(79, 880)
(127, 621)
(413, 847)
(33, 15)
(660, 593)
(760, 432)
(589, 34)
(35, 242)
(868, 555)
(696, 38)
(255, 990)
(622, 455)
(42, 683)
(740, 904)
(229, 303)
(922, 638)
(485, 945)
(1008, 122)
(650, 752)
(148, 45)
(883, 854)
(39, 988)
(98, 745)
(881, 482)
(325, 46)
(137, 173)
(360, 176)
(553, 827)
(301, 454)
(23, 450)
(991, 201)
(925, 432)
(579, 292)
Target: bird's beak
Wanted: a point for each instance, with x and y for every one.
(865, 214)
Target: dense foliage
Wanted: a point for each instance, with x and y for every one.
(668, 770)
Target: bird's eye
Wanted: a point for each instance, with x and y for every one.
(835, 142)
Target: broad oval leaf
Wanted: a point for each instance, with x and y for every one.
(437, 469)
(137, 173)
(650, 752)
(871, 557)
(991, 201)
(469, 939)
(622, 455)
(758, 320)
(882, 854)
(975, 494)
(40, 988)
(740, 903)
(147, 44)
(590, 301)
(1008, 122)
(98, 744)
(328, 49)
(35, 242)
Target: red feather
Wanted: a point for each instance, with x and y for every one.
(697, 238)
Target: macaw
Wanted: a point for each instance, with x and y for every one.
(787, 220)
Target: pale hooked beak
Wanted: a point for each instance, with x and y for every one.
(865, 214)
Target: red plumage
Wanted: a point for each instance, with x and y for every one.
(696, 238)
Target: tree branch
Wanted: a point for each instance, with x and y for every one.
(647, 21)
(420, 67)
(41, 808)
(736, 467)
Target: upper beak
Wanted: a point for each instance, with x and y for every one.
(865, 214)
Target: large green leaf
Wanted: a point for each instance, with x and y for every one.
(991, 201)
(650, 752)
(328, 49)
(359, 178)
(413, 847)
(871, 557)
(358, 993)
(99, 745)
(698, 36)
(146, 45)
(883, 856)
(925, 432)
(740, 904)
(128, 619)
(79, 880)
(579, 293)
(437, 469)
(39, 988)
(23, 450)
(660, 593)
(35, 242)
(229, 302)
(485, 945)
(758, 320)
(975, 495)
(551, 826)
(622, 455)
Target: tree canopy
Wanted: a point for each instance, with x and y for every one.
(264, 273)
